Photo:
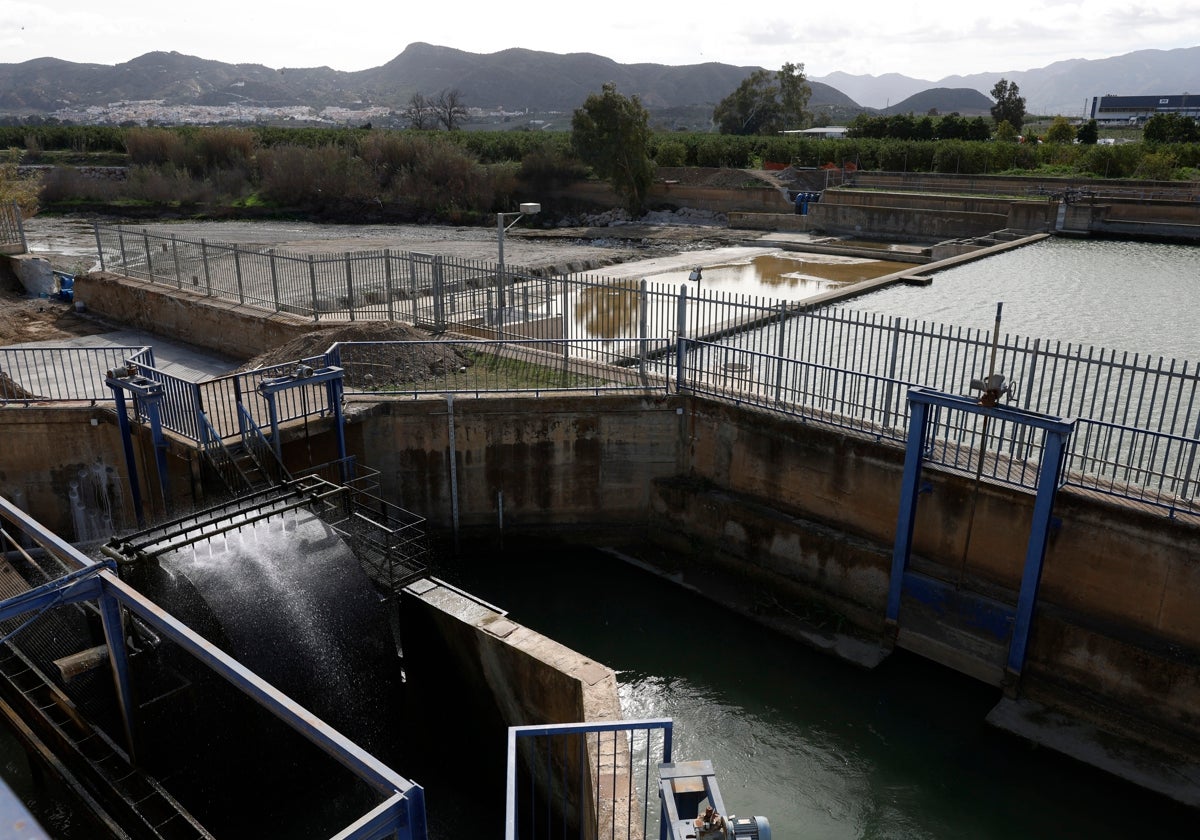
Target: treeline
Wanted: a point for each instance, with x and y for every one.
(465, 176)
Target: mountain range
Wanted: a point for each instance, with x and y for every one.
(528, 80)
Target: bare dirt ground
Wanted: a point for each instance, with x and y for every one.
(69, 244)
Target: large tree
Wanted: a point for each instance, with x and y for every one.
(419, 113)
(611, 134)
(766, 103)
(450, 109)
(1171, 128)
(1010, 105)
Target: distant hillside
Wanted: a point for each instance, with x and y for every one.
(527, 80)
(964, 101)
(515, 79)
(1059, 88)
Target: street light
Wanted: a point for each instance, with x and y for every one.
(528, 208)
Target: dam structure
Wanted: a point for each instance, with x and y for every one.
(858, 484)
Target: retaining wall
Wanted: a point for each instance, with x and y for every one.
(468, 662)
(209, 322)
(808, 515)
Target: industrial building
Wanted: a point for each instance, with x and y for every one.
(1138, 109)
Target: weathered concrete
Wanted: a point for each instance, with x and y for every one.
(213, 323)
(805, 516)
(464, 657)
(42, 450)
(556, 461)
(35, 274)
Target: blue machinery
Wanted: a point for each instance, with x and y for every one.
(1056, 434)
(401, 811)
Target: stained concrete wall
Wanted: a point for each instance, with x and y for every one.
(547, 461)
(212, 323)
(464, 658)
(810, 515)
(43, 449)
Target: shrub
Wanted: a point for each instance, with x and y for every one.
(671, 153)
(547, 166)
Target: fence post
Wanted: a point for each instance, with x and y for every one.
(207, 274)
(779, 353)
(565, 331)
(680, 337)
(121, 242)
(312, 280)
(439, 289)
(99, 245)
(642, 316)
(387, 283)
(175, 257)
(149, 261)
(237, 270)
(274, 278)
(891, 386)
(412, 287)
(349, 285)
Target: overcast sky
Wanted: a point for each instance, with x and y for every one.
(926, 40)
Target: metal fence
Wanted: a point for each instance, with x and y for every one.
(346, 286)
(1140, 414)
(414, 368)
(1150, 465)
(587, 780)
(62, 374)
(223, 399)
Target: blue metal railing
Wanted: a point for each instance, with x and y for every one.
(401, 811)
(573, 783)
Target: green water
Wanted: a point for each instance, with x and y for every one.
(818, 746)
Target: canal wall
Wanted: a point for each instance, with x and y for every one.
(803, 518)
(466, 661)
(210, 322)
(43, 450)
(790, 522)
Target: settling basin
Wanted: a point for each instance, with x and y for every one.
(820, 747)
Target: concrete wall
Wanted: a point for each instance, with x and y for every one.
(42, 451)
(809, 514)
(902, 222)
(555, 460)
(750, 199)
(465, 658)
(219, 325)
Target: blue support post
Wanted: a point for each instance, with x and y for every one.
(1053, 450)
(906, 519)
(334, 389)
(273, 410)
(113, 620)
(153, 412)
(135, 489)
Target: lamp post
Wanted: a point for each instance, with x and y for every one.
(527, 209)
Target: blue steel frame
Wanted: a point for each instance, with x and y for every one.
(332, 378)
(1057, 435)
(515, 732)
(148, 395)
(401, 815)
